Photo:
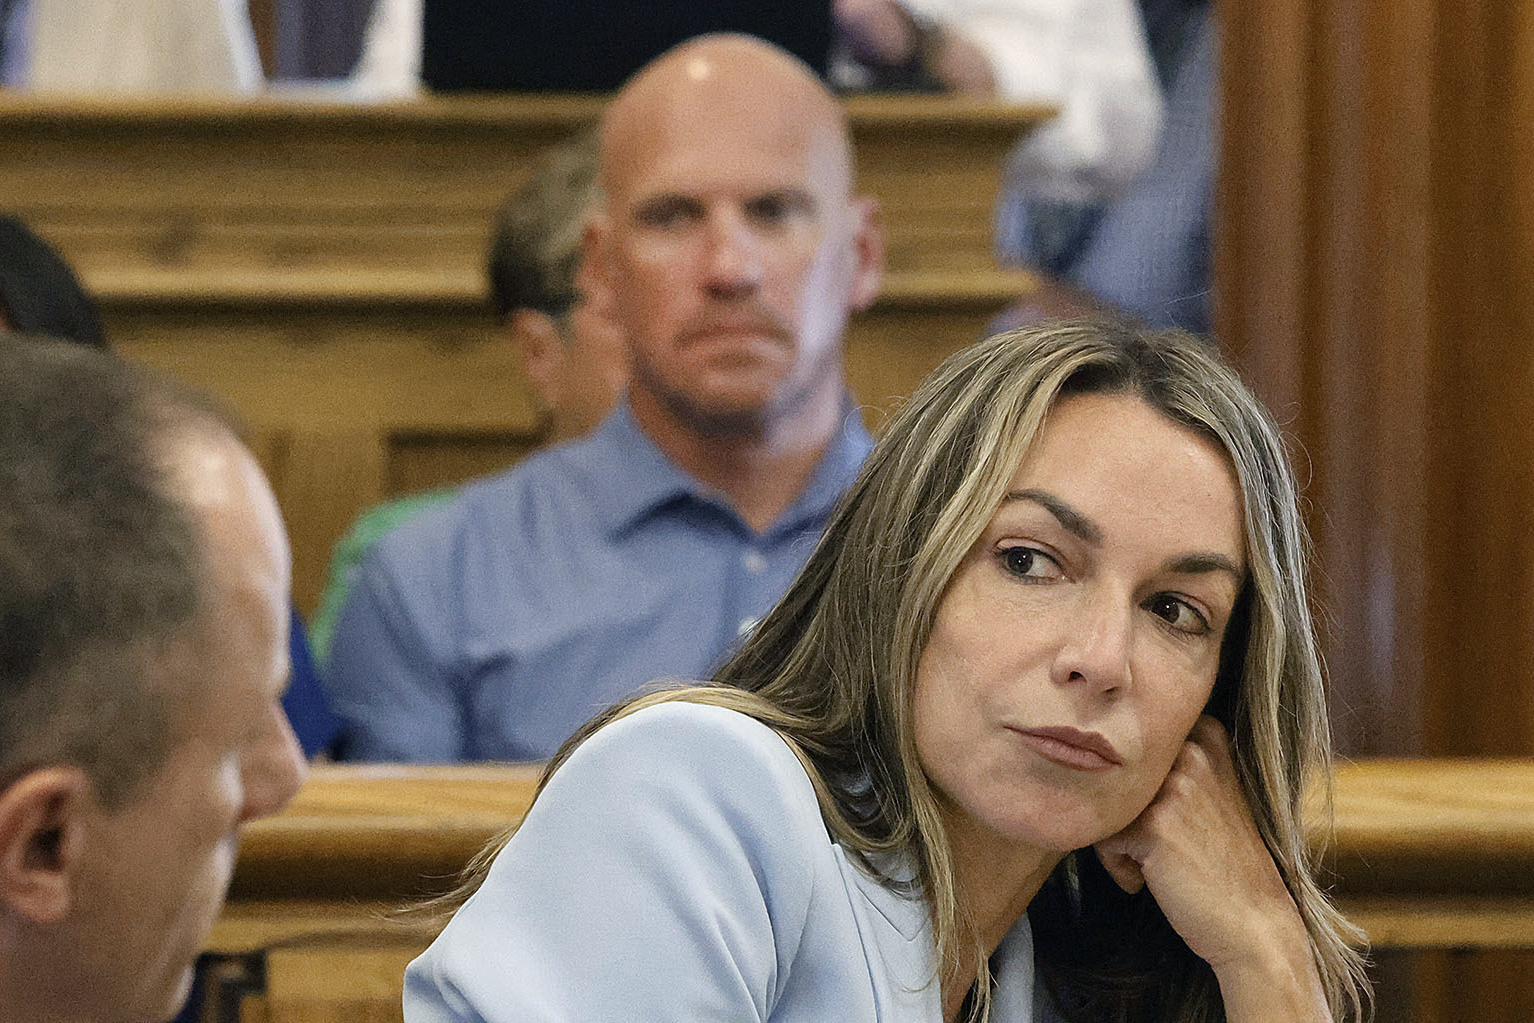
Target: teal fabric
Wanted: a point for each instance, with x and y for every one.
(371, 526)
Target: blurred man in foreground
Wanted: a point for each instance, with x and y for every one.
(143, 651)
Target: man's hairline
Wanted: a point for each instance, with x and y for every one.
(171, 671)
(832, 118)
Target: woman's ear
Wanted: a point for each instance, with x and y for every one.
(42, 825)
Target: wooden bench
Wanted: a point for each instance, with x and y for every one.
(319, 266)
(1426, 854)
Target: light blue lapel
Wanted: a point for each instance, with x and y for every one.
(897, 939)
(1013, 963)
(897, 942)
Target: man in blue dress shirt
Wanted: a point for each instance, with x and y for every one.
(731, 250)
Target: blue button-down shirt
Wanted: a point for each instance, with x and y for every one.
(490, 628)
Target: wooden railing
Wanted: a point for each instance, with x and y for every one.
(1426, 854)
(1437, 853)
(319, 266)
(243, 196)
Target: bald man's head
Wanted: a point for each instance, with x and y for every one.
(730, 245)
(711, 75)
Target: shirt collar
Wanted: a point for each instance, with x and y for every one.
(635, 479)
(632, 478)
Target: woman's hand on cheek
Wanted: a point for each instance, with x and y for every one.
(1198, 849)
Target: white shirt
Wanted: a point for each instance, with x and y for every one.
(1090, 59)
(140, 46)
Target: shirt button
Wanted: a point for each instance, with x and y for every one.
(754, 563)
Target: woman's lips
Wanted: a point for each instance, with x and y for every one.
(1071, 747)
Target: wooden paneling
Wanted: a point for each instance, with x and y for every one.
(1323, 279)
(1375, 270)
(1482, 461)
(1377, 285)
(339, 397)
(419, 462)
(1435, 854)
(152, 196)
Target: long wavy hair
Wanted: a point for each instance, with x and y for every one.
(832, 667)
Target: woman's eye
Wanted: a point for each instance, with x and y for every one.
(1028, 563)
(1178, 613)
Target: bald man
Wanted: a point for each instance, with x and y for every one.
(143, 655)
(730, 249)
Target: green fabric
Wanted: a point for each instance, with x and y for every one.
(370, 527)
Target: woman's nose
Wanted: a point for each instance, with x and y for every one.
(1095, 650)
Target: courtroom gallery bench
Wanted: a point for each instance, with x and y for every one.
(1429, 854)
(318, 265)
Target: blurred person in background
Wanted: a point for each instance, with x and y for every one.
(1144, 252)
(94, 47)
(572, 354)
(730, 250)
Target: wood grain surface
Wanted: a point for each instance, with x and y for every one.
(137, 192)
(1433, 852)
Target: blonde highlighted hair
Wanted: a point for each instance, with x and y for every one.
(832, 667)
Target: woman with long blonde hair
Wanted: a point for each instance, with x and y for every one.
(1028, 739)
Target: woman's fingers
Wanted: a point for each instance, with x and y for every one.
(1120, 866)
(1198, 849)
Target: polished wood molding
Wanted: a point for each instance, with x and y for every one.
(1430, 853)
(380, 831)
(324, 107)
(288, 184)
(261, 289)
(1457, 827)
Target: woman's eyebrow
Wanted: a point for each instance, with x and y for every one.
(1197, 564)
(1075, 523)
(1084, 528)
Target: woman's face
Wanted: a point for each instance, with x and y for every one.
(1078, 641)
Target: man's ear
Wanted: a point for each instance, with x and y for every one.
(42, 831)
(542, 350)
(593, 277)
(868, 254)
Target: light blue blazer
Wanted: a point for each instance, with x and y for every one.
(677, 869)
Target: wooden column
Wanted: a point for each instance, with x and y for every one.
(1481, 647)
(1377, 287)
(1376, 270)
